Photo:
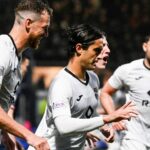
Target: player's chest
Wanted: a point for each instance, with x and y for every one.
(139, 81)
(84, 98)
(13, 78)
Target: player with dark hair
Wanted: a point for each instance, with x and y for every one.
(72, 97)
(135, 77)
(32, 20)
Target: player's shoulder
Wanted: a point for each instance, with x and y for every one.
(6, 44)
(60, 81)
(92, 74)
(61, 76)
(137, 62)
(4, 38)
(131, 65)
(93, 78)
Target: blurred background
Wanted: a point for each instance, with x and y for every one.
(124, 22)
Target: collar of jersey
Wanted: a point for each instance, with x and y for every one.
(87, 77)
(14, 46)
(145, 66)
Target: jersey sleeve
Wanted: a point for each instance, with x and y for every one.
(59, 98)
(118, 78)
(68, 125)
(4, 60)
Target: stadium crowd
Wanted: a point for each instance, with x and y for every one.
(123, 21)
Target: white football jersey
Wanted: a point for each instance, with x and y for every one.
(135, 76)
(69, 96)
(10, 75)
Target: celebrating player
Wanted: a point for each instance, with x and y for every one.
(72, 97)
(32, 20)
(135, 77)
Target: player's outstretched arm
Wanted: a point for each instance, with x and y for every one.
(127, 111)
(11, 126)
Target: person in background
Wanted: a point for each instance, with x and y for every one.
(135, 77)
(119, 97)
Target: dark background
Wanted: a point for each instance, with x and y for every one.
(124, 21)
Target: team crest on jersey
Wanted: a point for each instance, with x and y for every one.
(79, 98)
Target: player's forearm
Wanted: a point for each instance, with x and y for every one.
(68, 125)
(107, 102)
(11, 126)
(109, 118)
(11, 111)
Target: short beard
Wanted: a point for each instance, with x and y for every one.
(34, 42)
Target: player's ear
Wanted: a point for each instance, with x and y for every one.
(144, 46)
(79, 48)
(28, 23)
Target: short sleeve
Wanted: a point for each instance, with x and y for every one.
(59, 97)
(4, 60)
(117, 80)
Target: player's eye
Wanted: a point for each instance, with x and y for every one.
(97, 50)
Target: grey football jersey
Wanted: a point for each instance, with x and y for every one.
(71, 97)
(136, 78)
(10, 75)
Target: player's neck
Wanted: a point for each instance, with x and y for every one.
(147, 63)
(77, 70)
(19, 40)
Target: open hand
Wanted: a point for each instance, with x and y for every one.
(91, 139)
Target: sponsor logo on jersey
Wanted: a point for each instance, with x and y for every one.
(146, 103)
(138, 78)
(57, 105)
(78, 99)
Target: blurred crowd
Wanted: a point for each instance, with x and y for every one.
(124, 21)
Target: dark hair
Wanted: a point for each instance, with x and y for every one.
(146, 38)
(84, 34)
(36, 6)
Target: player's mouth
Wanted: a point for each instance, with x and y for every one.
(105, 59)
